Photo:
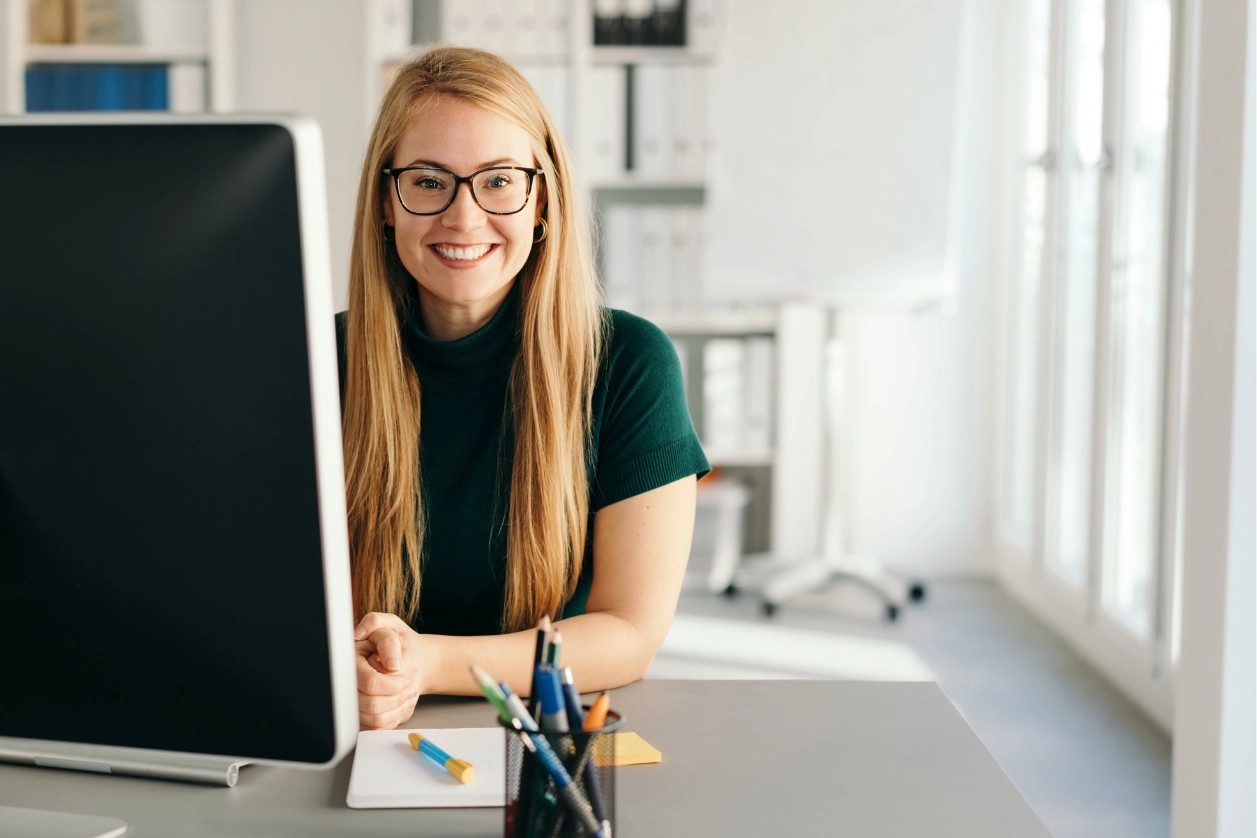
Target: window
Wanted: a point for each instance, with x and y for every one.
(1081, 491)
(1139, 302)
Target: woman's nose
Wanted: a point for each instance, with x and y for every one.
(464, 213)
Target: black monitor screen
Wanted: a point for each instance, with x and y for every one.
(161, 554)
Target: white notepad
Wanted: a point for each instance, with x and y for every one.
(389, 774)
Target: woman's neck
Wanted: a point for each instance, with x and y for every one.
(446, 321)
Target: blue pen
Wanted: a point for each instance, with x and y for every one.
(576, 721)
(518, 716)
(541, 655)
(571, 700)
(537, 744)
(553, 716)
(516, 705)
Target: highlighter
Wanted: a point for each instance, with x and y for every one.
(459, 769)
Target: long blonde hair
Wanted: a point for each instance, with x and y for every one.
(551, 380)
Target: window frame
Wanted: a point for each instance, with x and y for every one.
(1142, 666)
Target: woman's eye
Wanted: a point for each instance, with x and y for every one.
(429, 183)
(498, 181)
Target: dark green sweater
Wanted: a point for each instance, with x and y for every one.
(642, 439)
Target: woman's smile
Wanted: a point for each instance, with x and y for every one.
(462, 253)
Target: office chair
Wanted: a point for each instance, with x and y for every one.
(834, 564)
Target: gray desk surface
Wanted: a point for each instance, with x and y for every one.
(740, 758)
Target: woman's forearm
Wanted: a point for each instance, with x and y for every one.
(640, 548)
(604, 651)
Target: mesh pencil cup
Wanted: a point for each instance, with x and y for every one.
(561, 783)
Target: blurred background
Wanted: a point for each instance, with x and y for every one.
(962, 290)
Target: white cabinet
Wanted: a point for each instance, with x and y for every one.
(172, 55)
(755, 383)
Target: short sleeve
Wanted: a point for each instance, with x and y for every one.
(643, 434)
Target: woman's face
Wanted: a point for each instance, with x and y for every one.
(463, 258)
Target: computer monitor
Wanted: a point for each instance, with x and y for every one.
(174, 572)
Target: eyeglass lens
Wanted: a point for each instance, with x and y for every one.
(500, 190)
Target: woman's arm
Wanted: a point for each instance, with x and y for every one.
(641, 546)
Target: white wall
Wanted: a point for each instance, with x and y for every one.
(854, 108)
(920, 434)
(308, 57)
(832, 129)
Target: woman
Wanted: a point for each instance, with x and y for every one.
(556, 463)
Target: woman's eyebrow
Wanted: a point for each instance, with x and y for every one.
(501, 161)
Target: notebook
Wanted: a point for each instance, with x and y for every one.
(388, 773)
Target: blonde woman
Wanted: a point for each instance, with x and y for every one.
(512, 449)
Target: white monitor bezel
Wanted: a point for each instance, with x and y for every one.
(222, 769)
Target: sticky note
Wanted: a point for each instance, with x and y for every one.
(631, 749)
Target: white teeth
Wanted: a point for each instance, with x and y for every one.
(462, 253)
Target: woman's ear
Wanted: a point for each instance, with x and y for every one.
(541, 202)
(387, 205)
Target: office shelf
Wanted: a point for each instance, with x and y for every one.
(203, 79)
(114, 54)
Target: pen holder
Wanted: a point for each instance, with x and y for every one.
(537, 803)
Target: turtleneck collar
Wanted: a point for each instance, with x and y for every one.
(483, 354)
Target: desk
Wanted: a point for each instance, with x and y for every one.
(740, 758)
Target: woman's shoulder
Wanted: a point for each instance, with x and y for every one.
(632, 334)
(636, 353)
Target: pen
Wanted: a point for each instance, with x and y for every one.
(571, 700)
(518, 716)
(598, 713)
(459, 769)
(555, 649)
(554, 722)
(539, 657)
(537, 744)
(517, 708)
(576, 721)
(553, 717)
(492, 692)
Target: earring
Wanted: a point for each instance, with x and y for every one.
(388, 232)
(545, 231)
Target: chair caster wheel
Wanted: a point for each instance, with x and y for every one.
(767, 608)
(916, 592)
(731, 590)
(892, 613)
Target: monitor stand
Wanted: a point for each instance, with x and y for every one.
(134, 762)
(42, 823)
(188, 768)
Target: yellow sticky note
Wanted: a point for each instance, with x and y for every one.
(631, 749)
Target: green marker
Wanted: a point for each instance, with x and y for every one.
(491, 692)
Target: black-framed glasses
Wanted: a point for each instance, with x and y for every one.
(429, 190)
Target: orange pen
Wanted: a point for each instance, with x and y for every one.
(597, 716)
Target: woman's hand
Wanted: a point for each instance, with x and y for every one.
(390, 665)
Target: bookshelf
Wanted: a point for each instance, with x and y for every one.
(171, 55)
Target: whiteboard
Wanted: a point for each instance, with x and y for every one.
(834, 134)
